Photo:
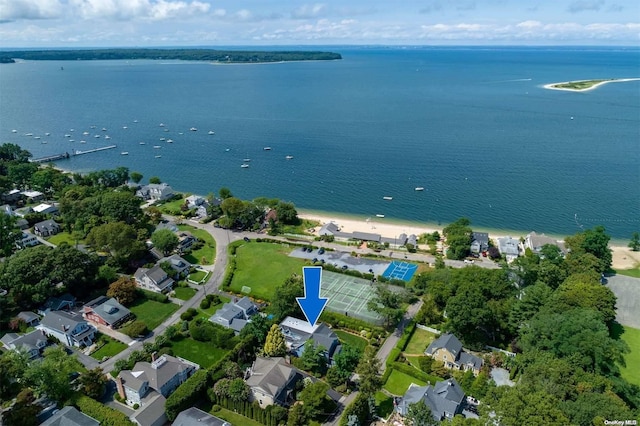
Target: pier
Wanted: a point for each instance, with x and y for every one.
(50, 158)
(89, 151)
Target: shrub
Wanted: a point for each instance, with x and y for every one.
(166, 350)
(205, 304)
(105, 415)
(136, 406)
(213, 298)
(137, 328)
(216, 408)
(187, 394)
(406, 336)
(189, 314)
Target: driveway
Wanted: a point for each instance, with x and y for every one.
(627, 290)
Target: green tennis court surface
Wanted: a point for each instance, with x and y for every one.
(348, 296)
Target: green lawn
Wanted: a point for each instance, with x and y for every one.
(419, 342)
(398, 383)
(302, 228)
(198, 276)
(631, 372)
(234, 418)
(206, 313)
(111, 348)
(205, 255)
(173, 206)
(152, 313)
(384, 404)
(63, 237)
(184, 293)
(635, 272)
(203, 353)
(352, 339)
(263, 267)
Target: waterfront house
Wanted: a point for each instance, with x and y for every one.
(272, 381)
(509, 248)
(154, 279)
(298, 332)
(448, 350)
(479, 242)
(535, 242)
(445, 399)
(33, 196)
(193, 201)
(155, 192)
(32, 343)
(46, 228)
(106, 311)
(68, 327)
(235, 314)
(70, 416)
(46, 209)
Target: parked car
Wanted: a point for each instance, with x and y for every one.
(247, 239)
(321, 251)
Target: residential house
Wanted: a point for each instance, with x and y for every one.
(298, 332)
(509, 248)
(33, 196)
(445, 399)
(479, 242)
(22, 223)
(106, 311)
(58, 303)
(151, 411)
(70, 416)
(195, 417)
(68, 327)
(22, 211)
(29, 318)
(162, 375)
(193, 201)
(272, 214)
(535, 242)
(12, 197)
(45, 209)
(27, 240)
(153, 191)
(185, 241)
(271, 381)
(235, 314)
(413, 240)
(46, 228)
(448, 349)
(32, 343)
(178, 264)
(6, 209)
(154, 279)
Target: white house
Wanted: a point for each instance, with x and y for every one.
(153, 279)
(27, 240)
(155, 191)
(69, 328)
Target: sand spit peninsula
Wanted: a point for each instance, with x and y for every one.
(585, 85)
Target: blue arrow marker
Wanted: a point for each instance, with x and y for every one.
(312, 304)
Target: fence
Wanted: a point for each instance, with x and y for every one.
(424, 327)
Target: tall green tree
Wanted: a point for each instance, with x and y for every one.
(136, 177)
(593, 241)
(93, 383)
(124, 289)
(313, 397)
(634, 243)
(9, 234)
(369, 371)
(419, 414)
(458, 238)
(313, 358)
(118, 239)
(51, 376)
(284, 301)
(164, 240)
(387, 304)
(287, 213)
(275, 344)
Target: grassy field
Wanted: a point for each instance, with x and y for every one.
(302, 228)
(63, 237)
(234, 418)
(631, 372)
(263, 267)
(197, 276)
(173, 206)
(352, 339)
(152, 313)
(184, 293)
(111, 348)
(384, 403)
(205, 255)
(203, 353)
(398, 383)
(635, 272)
(419, 342)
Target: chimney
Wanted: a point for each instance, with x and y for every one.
(120, 387)
(154, 356)
(287, 359)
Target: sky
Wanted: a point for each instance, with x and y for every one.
(115, 23)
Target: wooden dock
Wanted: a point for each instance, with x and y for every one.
(89, 151)
(48, 158)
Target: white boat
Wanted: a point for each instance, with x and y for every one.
(44, 141)
(47, 134)
(72, 130)
(161, 124)
(379, 215)
(246, 160)
(143, 143)
(180, 133)
(419, 188)
(124, 153)
(135, 121)
(211, 132)
(93, 127)
(36, 137)
(267, 148)
(28, 134)
(289, 157)
(227, 150)
(169, 140)
(71, 140)
(124, 127)
(193, 129)
(85, 133)
(107, 137)
(387, 198)
(158, 156)
(104, 129)
(157, 146)
(166, 130)
(83, 141)
(244, 166)
(163, 139)
(14, 131)
(96, 136)
(67, 135)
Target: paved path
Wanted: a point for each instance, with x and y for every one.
(392, 340)
(627, 290)
(113, 333)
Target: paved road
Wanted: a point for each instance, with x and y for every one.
(627, 290)
(392, 340)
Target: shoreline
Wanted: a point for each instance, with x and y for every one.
(552, 86)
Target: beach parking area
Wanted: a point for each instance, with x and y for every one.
(341, 259)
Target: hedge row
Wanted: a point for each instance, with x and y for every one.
(105, 415)
(406, 336)
(228, 277)
(247, 409)
(356, 325)
(187, 394)
(413, 372)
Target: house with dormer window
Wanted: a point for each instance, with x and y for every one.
(68, 327)
(32, 343)
(153, 279)
(448, 350)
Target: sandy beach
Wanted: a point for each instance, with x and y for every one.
(623, 257)
(551, 86)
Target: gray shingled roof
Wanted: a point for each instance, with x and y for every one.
(443, 397)
(365, 236)
(324, 336)
(245, 303)
(108, 309)
(158, 377)
(70, 416)
(150, 412)
(26, 342)
(131, 381)
(61, 321)
(270, 375)
(28, 316)
(328, 229)
(196, 417)
(466, 358)
(447, 341)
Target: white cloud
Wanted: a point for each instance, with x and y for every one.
(308, 11)
(11, 10)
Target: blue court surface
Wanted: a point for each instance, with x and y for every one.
(400, 270)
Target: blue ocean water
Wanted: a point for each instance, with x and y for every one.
(473, 126)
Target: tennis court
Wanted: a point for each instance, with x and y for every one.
(348, 296)
(400, 270)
